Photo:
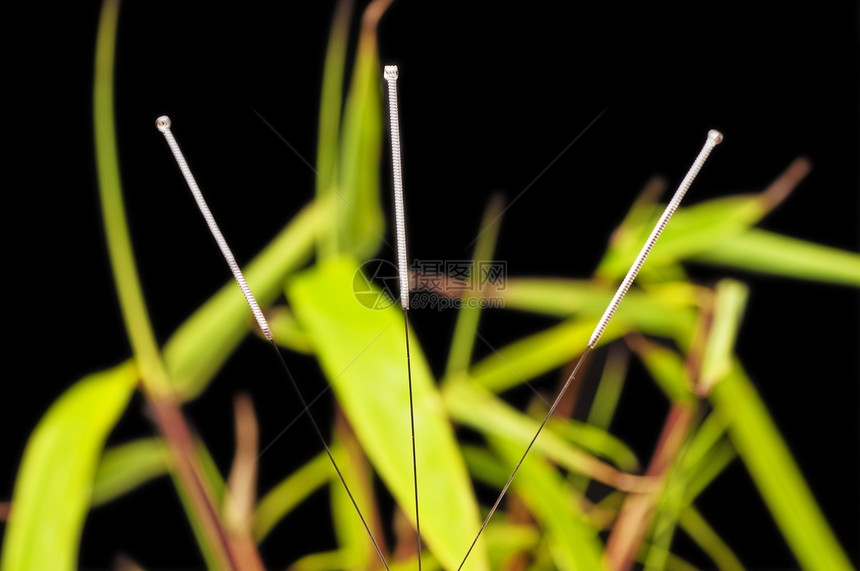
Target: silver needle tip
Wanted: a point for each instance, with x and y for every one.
(391, 72)
(715, 136)
(163, 123)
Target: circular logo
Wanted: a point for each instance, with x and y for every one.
(375, 284)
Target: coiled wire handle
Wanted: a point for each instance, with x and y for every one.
(714, 139)
(163, 124)
(391, 73)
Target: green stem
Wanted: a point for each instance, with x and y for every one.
(124, 270)
(156, 386)
(466, 328)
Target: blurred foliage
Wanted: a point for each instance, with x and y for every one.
(682, 332)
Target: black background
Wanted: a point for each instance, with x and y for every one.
(489, 97)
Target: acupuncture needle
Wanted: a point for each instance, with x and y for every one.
(714, 138)
(163, 124)
(391, 73)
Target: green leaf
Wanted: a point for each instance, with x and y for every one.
(204, 342)
(666, 367)
(667, 312)
(331, 104)
(698, 529)
(287, 331)
(595, 440)
(714, 461)
(608, 392)
(131, 302)
(706, 454)
(357, 551)
(468, 317)
(769, 253)
(537, 354)
(665, 309)
(474, 406)
(360, 225)
(731, 298)
(214, 482)
(693, 229)
(200, 347)
(293, 490)
(507, 540)
(663, 523)
(54, 484)
(776, 475)
(573, 541)
(127, 466)
(363, 355)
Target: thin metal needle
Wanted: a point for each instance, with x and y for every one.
(714, 138)
(163, 123)
(391, 73)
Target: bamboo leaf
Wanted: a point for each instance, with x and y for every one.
(202, 344)
(698, 529)
(609, 389)
(574, 543)
(327, 561)
(706, 454)
(537, 354)
(127, 466)
(54, 484)
(507, 541)
(693, 229)
(363, 355)
(357, 551)
(474, 406)
(664, 521)
(281, 499)
(361, 224)
(731, 297)
(776, 475)
(595, 440)
(132, 304)
(557, 345)
(286, 330)
(468, 317)
(666, 368)
(331, 103)
(662, 309)
(765, 252)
